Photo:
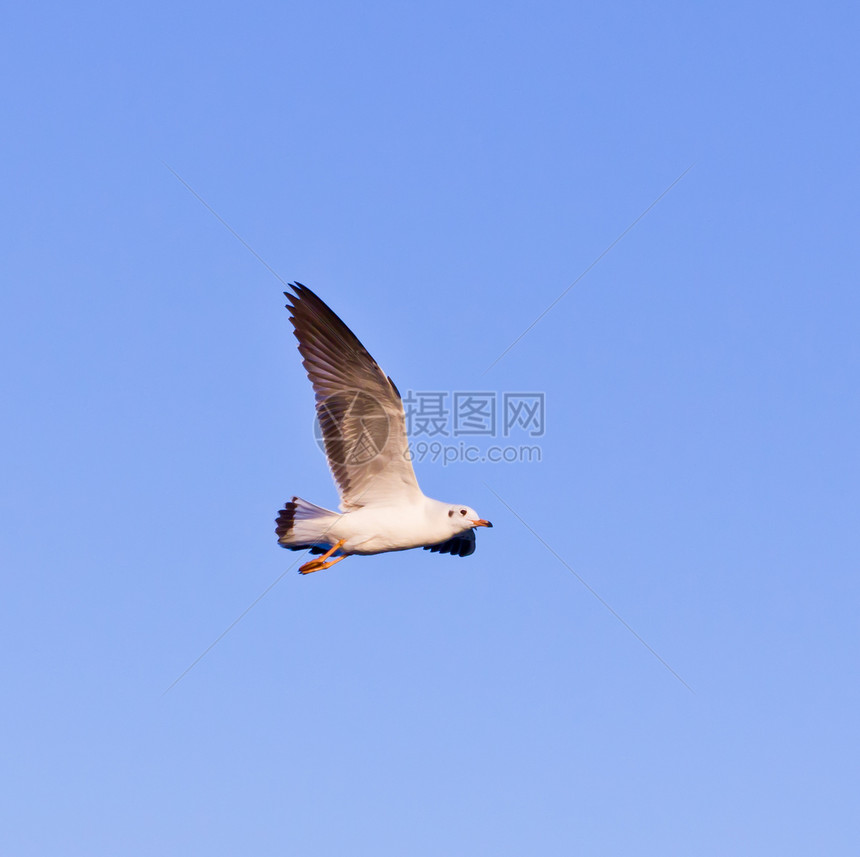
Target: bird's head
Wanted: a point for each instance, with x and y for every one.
(464, 518)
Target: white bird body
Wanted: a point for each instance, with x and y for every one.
(364, 432)
(377, 529)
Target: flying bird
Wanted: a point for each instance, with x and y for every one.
(363, 428)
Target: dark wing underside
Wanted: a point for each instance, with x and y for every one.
(315, 549)
(462, 545)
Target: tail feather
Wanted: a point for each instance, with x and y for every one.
(303, 526)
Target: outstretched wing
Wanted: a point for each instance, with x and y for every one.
(462, 545)
(358, 407)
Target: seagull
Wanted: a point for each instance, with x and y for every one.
(363, 425)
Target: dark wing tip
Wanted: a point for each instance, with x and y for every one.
(301, 294)
(313, 318)
(298, 292)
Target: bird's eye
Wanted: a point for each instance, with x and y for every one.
(462, 511)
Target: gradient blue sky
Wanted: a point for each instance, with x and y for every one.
(439, 173)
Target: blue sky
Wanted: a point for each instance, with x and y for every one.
(439, 173)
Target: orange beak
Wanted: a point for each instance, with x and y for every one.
(480, 523)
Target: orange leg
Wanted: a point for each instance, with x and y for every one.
(323, 562)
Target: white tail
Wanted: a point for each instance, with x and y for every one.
(302, 525)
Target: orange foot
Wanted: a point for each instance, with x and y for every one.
(323, 562)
